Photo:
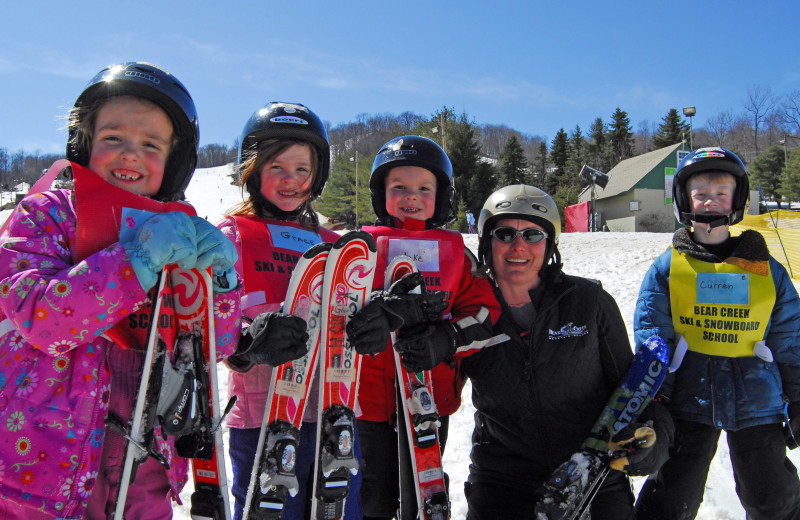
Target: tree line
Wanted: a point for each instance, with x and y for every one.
(765, 133)
(22, 166)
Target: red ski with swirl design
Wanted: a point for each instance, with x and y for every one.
(202, 442)
(349, 273)
(420, 422)
(273, 478)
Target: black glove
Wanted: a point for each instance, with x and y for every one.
(422, 347)
(645, 446)
(404, 308)
(368, 330)
(792, 428)
(271, 339)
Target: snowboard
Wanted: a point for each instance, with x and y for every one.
(418, 416)
(572, 486)
(349, 273)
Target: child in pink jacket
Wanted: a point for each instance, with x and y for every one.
(135, 127)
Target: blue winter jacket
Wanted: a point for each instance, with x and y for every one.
(729, 393)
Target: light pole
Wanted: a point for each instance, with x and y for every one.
(593, 177)
(783, 142)
(690, 112)
(435, 130)
(356, 206)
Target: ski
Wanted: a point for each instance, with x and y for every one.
(200, 439)
(139, 436)
(349, 272)
(572, 486)
(273, 478)
(417, 415)
(178, 389)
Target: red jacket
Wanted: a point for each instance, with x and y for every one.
(469, 294)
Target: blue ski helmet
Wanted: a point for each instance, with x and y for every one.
(709, 160)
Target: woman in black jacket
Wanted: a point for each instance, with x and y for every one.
(538, 393)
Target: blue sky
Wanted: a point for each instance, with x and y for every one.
(534, 66)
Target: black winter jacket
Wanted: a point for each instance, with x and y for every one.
(538, 394)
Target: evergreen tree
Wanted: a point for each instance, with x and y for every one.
(765, 171)
(464, 155)
(339, 201)
(483, 184)
(596, 148)
(558, 157)
(671, 130)
(565, 195)
(620, 137)
(513, 164)
(791, 177)
(540, 166)
(576, 152)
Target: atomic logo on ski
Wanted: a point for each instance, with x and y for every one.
(571, 488)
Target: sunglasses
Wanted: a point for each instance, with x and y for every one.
(508, 234)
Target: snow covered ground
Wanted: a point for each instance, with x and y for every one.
(619, 260)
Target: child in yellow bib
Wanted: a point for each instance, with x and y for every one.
(731, 315)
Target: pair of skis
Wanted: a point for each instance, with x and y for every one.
(418, 422)
(179, 389)
(573, 485)
(329, 283)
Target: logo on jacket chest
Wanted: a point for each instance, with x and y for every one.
(569, 331)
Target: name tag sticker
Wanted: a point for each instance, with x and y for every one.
(728, 288)
(286, 237)
(425, 253)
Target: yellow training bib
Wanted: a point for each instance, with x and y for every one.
(721, 309)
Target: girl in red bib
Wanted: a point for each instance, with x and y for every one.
(284, 160)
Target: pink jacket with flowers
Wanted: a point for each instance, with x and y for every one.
(54, 379)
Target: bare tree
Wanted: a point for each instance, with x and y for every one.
(719, 126)
(774, 127)
(212, 155)
(644, 133)
(760, 103)
(790, 111)
(493, 139)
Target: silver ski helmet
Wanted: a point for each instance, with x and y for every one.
(154, 84)
(710, 160)
(414, 150)
(518, 201)
(290, 120)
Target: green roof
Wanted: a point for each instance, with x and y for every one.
(627, 174)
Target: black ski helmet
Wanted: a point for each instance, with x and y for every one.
(518, 201)
(154, 84)
(706, 160)
(413, 150)
(292, 120)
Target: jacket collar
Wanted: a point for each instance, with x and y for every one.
(750, 251)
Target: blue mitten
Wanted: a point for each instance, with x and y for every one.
(225, 281)
(158, 240)
(213, 248)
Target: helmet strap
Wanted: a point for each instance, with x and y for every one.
(712, 220)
